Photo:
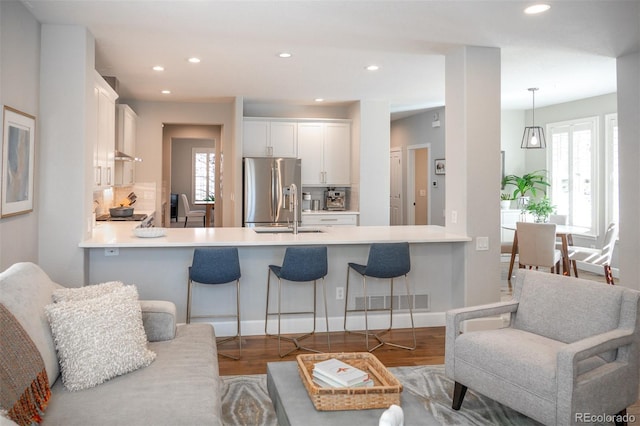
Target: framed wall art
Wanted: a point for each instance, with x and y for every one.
(440, 166)
(17, 172)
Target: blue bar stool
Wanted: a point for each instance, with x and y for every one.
(386, 260)
(300, 264)
(214, 266)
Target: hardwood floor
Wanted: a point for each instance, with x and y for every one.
(257, 351)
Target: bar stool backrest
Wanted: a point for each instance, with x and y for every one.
(215, 265)
(304, 263)
(388, 260)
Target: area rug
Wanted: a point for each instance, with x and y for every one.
(245, 401)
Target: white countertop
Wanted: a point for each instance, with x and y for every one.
(120, 234)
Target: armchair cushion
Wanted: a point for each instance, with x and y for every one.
(568, 318)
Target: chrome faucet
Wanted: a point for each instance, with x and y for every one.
(293, 205)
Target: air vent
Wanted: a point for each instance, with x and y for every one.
(400, 303)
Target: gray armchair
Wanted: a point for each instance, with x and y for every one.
(571, 349)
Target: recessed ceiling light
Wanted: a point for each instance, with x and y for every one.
(166, 92)
(537, 8)
(319, 99)
(284, 55)
(372, 68)
(194, 60)
(158, 68)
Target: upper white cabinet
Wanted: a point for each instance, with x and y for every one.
(269, 138)
(104, 142)
(325, 150)
(125, 143)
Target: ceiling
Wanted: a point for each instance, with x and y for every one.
(568, 52)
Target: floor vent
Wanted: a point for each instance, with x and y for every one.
(402, 302)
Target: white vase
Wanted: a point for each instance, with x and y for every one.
(505, 204)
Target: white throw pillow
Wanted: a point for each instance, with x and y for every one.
(87, 292)
(99, 338)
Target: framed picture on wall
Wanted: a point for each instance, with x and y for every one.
(18, 140)
(440, 166)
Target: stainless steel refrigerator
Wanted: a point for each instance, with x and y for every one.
(266, 190)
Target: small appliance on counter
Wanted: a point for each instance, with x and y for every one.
(306, 201)
(335, 200)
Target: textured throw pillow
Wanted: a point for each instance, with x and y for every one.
(84, 293)
(99, 338)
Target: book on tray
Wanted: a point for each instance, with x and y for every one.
(334, 373)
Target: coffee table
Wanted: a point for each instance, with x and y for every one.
(293, 406)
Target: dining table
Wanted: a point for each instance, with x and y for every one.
(564, 232)
(209, 207)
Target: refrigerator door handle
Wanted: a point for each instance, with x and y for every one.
(278, 193)
(273, 196)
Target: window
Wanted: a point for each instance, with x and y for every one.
(204, 172)
(573, 157)
(611, 170)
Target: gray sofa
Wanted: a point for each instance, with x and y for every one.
(181, 387)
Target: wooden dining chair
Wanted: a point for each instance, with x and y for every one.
(537, 246)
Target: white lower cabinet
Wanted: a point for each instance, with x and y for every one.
(329, 219)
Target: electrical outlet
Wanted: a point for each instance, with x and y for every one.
(454, 216)
(339, 293)
(111, 251)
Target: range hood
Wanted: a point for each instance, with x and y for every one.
(121, 156)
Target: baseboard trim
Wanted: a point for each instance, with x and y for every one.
(336, 324)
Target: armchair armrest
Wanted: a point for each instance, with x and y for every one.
(455, 318)
(159, 319)
(618, 377)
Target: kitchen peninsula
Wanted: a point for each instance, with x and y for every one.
(158, 266)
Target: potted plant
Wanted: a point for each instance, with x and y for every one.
(527, 183)
(541, 209)
(505, 200)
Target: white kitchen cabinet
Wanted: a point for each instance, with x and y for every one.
(325, 150)
(125, 143)
(330, 219)
(104, 142)
(269, 138)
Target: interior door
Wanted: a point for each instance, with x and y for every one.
(395, 213)
(421, 184)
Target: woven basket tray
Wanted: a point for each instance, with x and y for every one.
(385, 391)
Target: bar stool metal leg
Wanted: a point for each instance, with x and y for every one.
(402, 266)
(282, 274)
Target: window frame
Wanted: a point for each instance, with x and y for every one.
(594, 123)
(211, 185)
(612, 182)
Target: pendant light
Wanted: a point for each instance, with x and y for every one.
(533, 137)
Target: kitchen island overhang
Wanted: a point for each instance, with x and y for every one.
(158, 267)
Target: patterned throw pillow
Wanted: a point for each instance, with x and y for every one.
(87, 292)
(99, 338)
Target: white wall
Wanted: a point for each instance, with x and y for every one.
(20, 89)
(414, 130)
(67, 134)
(628, 67)
(149, 144)
(374, 173)
(473, 166)
(511, 129)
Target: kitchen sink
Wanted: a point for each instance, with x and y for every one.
(284, 230)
